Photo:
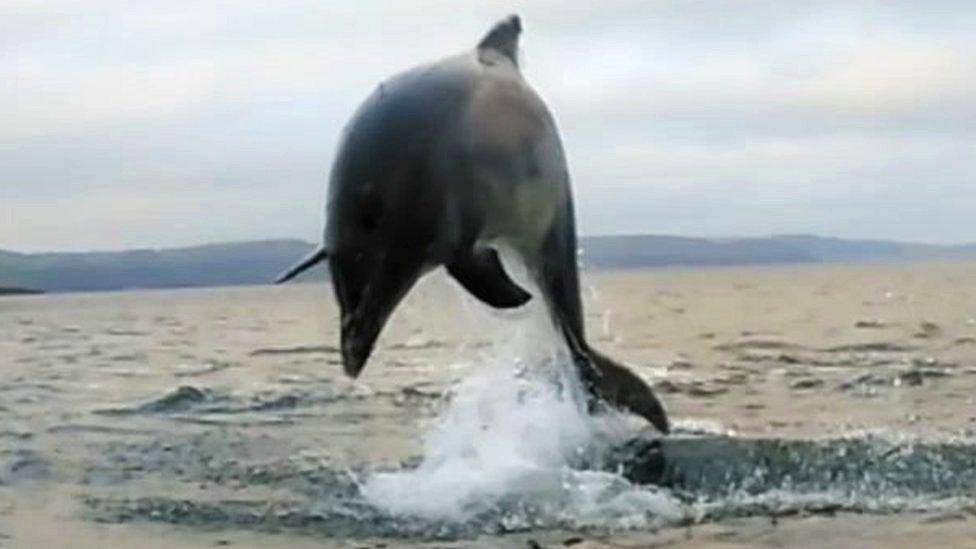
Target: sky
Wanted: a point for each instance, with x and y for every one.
(168, 123)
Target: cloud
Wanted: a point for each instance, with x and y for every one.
(693, 117)
(150, 218)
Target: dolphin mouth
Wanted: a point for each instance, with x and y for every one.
(359, 334)
(368, 289)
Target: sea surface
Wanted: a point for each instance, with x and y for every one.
(813, 404)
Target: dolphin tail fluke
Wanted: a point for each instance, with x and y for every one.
(624, 389)
(606, 380)
(503, 38)
(615, 384)
(310, 260)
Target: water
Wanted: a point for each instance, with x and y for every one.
(513, 449)
(226, 411)
(710, 478)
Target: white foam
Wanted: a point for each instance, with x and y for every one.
(508, 439)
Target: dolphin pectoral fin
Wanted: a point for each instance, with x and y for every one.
(481, 273)
(309, 261)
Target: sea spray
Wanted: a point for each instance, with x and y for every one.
(515, 440)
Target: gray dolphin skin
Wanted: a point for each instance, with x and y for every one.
(440, 165)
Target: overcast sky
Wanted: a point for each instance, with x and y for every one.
(151, 124)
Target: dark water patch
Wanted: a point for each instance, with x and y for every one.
(79, 428)
(69, 358)
(299, 350)
(706, 478)
(222, 457)
(917, 376)
(166, 320)
(797, 359)
(912, 377)
(947, 517)
(806, 383)
(55, 346)
(693, 388)
(416, 395)
(932, 362)
(236, 421)
(128, 357)
(30, 399)
(23, 384)
(337, 520)
(872, 347)
(861, 469)
(336, 510)
(759, 344)
(871, 324)
(209, 456)
(270, 401)
(928, 330)
(181, 399)
(22, 465)
(188, 399)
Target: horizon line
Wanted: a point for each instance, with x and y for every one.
(581, 237)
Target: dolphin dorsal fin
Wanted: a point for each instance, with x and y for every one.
(503, 38)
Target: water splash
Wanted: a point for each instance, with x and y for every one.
(516, 435)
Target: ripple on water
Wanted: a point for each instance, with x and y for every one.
(513, 449)
(512, 454)
(191, 399)
(701, 478)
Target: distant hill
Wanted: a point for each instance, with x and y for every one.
(18, 291)
(209, 265)
(259, 262)
(634, 251)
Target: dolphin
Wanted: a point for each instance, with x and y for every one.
(440, 166)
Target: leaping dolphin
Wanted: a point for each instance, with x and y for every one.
(440, 165)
